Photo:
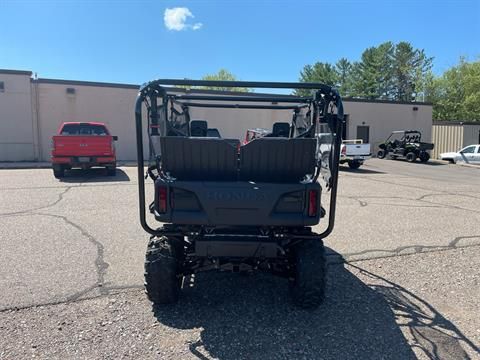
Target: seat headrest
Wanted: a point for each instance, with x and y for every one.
(281, 129)
(198, 128)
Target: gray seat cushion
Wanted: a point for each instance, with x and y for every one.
(207, 159)
(277, 159)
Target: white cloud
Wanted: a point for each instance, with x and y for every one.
(176, 19)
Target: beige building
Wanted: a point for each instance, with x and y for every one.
(31, 111)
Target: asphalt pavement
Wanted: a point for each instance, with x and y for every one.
(404, 275)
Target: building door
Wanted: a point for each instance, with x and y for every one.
(363, 132)
(345, 127)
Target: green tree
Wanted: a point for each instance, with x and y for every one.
(344, 70)
(410, 67)
(456, 94)
(387, 71)
(374, 73)
(319, 72)
(223, 75)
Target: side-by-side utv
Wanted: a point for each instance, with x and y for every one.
(233, 207)
(405, 144)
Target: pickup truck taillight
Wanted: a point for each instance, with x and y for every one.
(162, 199)
(312, 203)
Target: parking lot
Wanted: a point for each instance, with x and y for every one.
(404, 278)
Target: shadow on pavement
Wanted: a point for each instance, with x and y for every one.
(252, 317)
(93, 175)
(426, 329)
(359, 171)
(431, 162)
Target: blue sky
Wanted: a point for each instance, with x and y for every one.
(128, 41)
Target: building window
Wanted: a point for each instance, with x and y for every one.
(2, 86)
(71, 91)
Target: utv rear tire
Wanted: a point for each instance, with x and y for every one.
(308, 286)
(59, 172)
(381, 154)
(424, 157)
(353, 164)
(162, 270)
(411, 157)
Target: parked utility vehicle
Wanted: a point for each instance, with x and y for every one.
(354, 153)
(83, 145)
(469, 154)
(235, 208)
(405, 144)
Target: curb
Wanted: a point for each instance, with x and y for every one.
(47, 165)
(468, 165)
(24, 165)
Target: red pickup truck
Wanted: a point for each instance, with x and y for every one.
(83, 145)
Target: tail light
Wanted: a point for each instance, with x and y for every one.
(344, 150)
(162, 199)
(312, 203)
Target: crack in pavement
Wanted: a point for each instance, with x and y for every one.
(100, 264)
(79, 184)
(333, 259)
(364, 203)
(110, 291)
(404, 250)
(60, 198)
(404, 185)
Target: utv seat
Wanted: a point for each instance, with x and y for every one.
(200, 159)
(277, 159)
(280, 129)
(198, 128)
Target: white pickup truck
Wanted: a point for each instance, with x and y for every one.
(469, 154)
(353, 152)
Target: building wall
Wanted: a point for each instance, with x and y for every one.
(452, 136)
(32, 111)
(16, 121)
(385, 117)
(447, 138)
(471, 134)
(113, 106)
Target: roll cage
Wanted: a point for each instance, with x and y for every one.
(168, 114)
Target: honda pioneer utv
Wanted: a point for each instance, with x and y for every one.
(234, 207)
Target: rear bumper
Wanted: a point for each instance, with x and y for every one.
(237, 203)
(84, 161)
(355, 157)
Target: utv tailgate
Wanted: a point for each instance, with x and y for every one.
(237, 203)
(71, 145)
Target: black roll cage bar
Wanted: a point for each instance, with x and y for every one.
(323, 95)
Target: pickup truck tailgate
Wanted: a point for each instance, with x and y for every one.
(71, 145)
(357, 149)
